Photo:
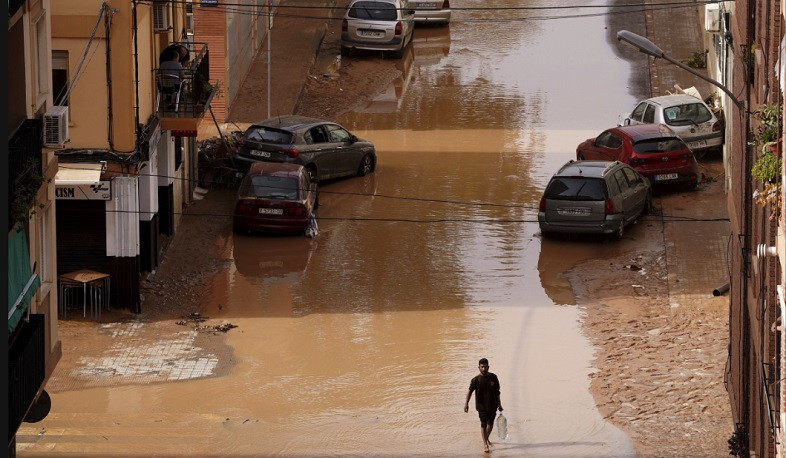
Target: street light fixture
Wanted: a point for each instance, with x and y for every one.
(647, 47)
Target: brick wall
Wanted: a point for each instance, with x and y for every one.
(210, 27)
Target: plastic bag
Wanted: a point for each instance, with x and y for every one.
(312, 230)
(502, 427)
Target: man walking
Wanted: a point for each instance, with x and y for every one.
(486, 388)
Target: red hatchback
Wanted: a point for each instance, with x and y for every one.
(275, 197)
(654, 150)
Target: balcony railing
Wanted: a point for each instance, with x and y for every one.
(26, 369)
(192, 97)
(24, 166)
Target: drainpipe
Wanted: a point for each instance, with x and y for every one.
(110, 121)
(138, 128)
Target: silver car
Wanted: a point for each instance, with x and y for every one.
(431, 11)
(377, 25)
(593, 197)
(689, 117)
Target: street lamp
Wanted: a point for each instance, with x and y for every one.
(649, 48)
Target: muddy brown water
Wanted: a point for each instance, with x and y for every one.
(362, 341)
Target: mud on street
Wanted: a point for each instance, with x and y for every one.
(658, 333)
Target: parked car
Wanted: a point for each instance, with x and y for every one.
(324, 148)
(431, 11)
(689, 117)
(654, 150)
(593, 197)
(275, 197)
(378, 25)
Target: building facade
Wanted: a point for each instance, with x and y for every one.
(34, 347)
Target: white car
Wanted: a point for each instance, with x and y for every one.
(689, 117)
(378, 25)
(431, 11)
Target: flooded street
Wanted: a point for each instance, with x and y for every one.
(362, 341)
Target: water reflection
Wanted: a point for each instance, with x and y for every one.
(431, 45)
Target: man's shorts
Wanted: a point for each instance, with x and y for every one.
(487, 418)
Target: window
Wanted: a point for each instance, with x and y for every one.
(377, 11)
(662, 145)
(631, 175)
(315, 135)
(639, 111)
(59, 77)
(683, 115)
(649, 115)
(569, 188)
(608, 140)
(337, 134)
(622, 182)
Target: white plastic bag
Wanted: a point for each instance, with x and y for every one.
(312, 230)
(502, 427)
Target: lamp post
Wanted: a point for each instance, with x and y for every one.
(647, 47)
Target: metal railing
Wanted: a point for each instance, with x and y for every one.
(24, 161)
(195, 90)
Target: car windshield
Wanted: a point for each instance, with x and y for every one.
(689, 113)
(377, 11)
(659, 145)
(268, 135)
(576, 188)
(270, 187)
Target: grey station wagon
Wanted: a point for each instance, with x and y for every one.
(593, 197)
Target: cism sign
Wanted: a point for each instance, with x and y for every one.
(100, 191)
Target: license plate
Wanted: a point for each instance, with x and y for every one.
(697, 144)
(370, 33)
(666, 176)
(426, 5)
(271, 211)
(258, 153)
(574, 211)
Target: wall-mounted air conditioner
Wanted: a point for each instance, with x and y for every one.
(160, 16)
(712, 18)
(56, 126)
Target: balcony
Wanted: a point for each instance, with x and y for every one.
(24, 168)
(181, 107)
(26, 369)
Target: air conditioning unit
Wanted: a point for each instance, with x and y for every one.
(160, 16)
(712, 18)
(56, 126)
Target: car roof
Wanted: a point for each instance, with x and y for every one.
(289, 122)
(638, 132)
(393, 2)
(675, 99)
(281, 169)
(592, 169)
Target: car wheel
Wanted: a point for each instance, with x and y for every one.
(397, 54)
(620, 231)
(345, 51)
(693, 184)
(366, 166)
(580, 156)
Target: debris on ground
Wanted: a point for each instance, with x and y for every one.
(216, 168)
(194, 318)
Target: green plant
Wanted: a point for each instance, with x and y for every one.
(697, 60)
(770, 123)
(767, 168)
(24, 191)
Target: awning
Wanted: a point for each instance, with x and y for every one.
(22, 282)
(78, 173)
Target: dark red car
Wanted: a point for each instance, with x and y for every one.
(275, 197)
(654, 150)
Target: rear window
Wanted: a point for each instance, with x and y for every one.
(659, 145)
(270, 187)
(576, 188)
(268, 135)
(377, 11)
(690, 113)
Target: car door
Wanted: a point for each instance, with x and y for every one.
(638, 194)
(607, 147)
(321, 151)
(625, 196)
(347, 154)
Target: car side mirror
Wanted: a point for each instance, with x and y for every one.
(626, 122)
(352, 139)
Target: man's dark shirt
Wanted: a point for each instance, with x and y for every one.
(486, 388)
